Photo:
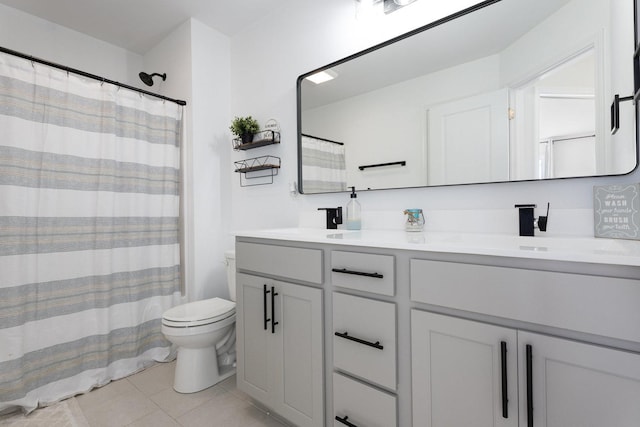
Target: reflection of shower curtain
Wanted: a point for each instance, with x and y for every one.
(89, 247)
(323, 166)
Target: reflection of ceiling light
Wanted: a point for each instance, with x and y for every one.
(322, 76)
(403, 2)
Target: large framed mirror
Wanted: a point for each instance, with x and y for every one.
(507, 90)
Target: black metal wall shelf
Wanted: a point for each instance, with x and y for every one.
(260, 139)
(265, 167)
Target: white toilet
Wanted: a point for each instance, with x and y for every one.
(204, 332)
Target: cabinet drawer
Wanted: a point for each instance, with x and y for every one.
(283, 261)
(364, 272)
(362, 404)
(368, 350)
(606, 306)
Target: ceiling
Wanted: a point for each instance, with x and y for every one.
(139, 25)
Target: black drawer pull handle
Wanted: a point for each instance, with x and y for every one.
(357, 273)
(505, 398)
(344, 421)
(346, 335)
(264, 302)
(273, 310)
(529, 365)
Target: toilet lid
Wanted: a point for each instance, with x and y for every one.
(209, 309)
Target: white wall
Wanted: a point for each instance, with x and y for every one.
(196, 59)
(36, 37)
(305, 35)
(211, 159)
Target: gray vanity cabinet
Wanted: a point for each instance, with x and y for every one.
(466, 372)
(280, 336)
(389, 336)
(460, 369)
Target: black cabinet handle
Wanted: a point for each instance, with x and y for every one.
(346, 335)
(529, 357)
(344, 421)
(357, 273)
(273, 310)
(505, 397)
(264, 304)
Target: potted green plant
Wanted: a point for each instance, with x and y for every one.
(244, 128)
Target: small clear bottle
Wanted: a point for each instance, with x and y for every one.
(354, 219)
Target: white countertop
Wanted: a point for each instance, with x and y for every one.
(576, 249)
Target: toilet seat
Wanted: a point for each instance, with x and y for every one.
(199, 313)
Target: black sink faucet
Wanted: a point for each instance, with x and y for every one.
(334, 217)
(527, 220)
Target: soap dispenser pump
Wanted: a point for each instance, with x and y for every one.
(354, 221)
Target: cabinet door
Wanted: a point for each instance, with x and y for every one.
(463, 372)
(298, 357)
(252, 337)
(576, 384)
(281, 365)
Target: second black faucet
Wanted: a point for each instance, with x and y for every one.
(527, 221)
(334, 217)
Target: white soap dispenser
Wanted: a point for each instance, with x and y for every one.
(354, 219)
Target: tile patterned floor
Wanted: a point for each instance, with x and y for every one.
(148, 399)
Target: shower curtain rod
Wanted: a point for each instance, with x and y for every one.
(85, 74)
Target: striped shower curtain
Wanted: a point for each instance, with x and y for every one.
(89, 231)
(323, 165)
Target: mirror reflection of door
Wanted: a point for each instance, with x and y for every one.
(554, 127)
(570, 150)
(468, 140)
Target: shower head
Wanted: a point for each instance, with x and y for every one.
(148, 78)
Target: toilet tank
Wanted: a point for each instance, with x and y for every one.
(230, 260)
